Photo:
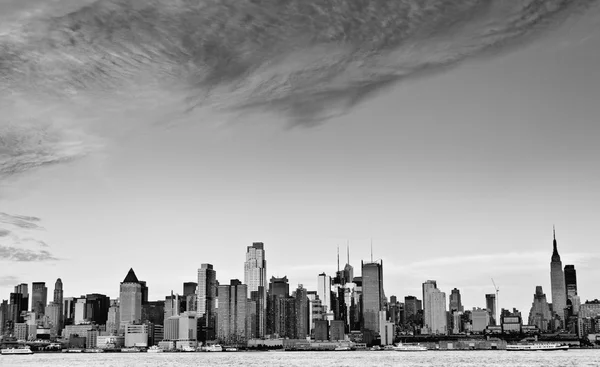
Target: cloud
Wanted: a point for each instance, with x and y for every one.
(8, 280)
(18, 239)
(310, 60)
(25, 255)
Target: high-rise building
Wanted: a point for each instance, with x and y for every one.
(540, 314)
(58, 300)
(372, 294)
(144, 289)
(113, 319)
(278, 289)
(39, 298)
(434, 309)
(324, 291)
(97, 306)
(456, 301)
(4, 319)
(302, 317)
(571, 280)
(480, 319)
(411, 307)
(231, 319)
(189, 292)
(490, 304)
(255, 278)
(130, 298)
(80, 316)
(53, 313)
(206, 292)
(557, 282)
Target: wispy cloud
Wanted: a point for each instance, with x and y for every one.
(18, 239)
(307, 59)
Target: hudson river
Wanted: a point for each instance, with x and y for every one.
(303, 359)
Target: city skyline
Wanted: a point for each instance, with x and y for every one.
(457, 173)
(464, 290)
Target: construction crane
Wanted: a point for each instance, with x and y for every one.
(497, 309)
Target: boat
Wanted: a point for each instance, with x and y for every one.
(154, 349)
(341, 348)
(214, 348)
(72, 350)
(231, 349)
(409, 348)
(536, 347)
(187, 348)
(130, 350)
(10, 351)
(94, 350)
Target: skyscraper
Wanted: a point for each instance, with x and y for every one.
(324, 291)
(58, 300)
(207, 297)
(372, 293)
(231, 320)
(456, 301)
(278, 289)
(570, 280)
(255, 278)
(39, 298)
(490, 304)
(302, 319)
(130, 296)
(557, 282)
(434, 309)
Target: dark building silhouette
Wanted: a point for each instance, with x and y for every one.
(144, 289)
(97, 308)
(490, 304)
(571, 280)
(302, 317)
(207, 292)
(557, 282)
(153, 312)
(321, 330)
(189, 292)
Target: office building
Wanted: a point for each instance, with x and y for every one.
(136, 335)
(206, 302)
(231, 313)
(372, 294)
(255, 278)
(130, 298)
(97, 306)
(113, 319)
(324, 291)
(39, 298)
(490, 304)
(191, 297)
(480, 319)
(302, 316)
(456, 301)
(434, 309)
(58, 300)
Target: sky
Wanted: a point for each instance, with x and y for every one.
(453, 149)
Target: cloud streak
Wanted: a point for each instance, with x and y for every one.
(18, 240)
(308, 59)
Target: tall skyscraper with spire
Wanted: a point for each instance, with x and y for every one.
(557, 282)
(255, 277)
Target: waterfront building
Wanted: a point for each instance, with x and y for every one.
(480, 319)
(206, 302)
(337, 330)
(255, 278)
(387, 329)
(434, 309)
(231, 313)
(321, 330)
(130, 297)
(372, 294)
(136, 335)
(557, 282)
(80, 311)
(53, 313)
(96, 308)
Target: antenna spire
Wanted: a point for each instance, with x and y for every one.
(371, 250)
(338, 257)
(348, 250)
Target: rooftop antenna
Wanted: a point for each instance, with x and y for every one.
(338, 257)
(348, 250)
(371, 249)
